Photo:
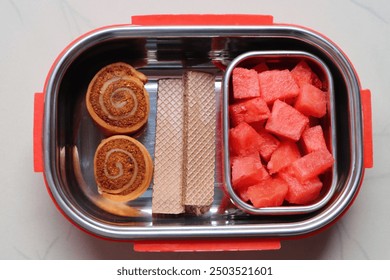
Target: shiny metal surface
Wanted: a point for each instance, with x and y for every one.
(70, 138)
(282, 60)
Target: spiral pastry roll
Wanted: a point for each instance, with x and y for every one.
(123, 168)
(117, 100)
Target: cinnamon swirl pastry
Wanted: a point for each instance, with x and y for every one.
(117, 100)
(123, 168)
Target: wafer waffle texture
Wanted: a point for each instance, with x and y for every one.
(185, 144)
(168, 178)
(199, 130)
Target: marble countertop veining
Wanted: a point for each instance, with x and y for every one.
(33, 33)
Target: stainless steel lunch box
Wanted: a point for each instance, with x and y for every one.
(65, 138)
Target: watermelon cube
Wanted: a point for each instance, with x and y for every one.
(311, 101)
(267, 144)
(286, 153)
(243, 194)
(301, 193)
(312, 164)
(244, 140)
(303, 74)
(317, 82)
(247, 171)
(249, 111)
(286, 121)
(261, 67)
(268, 193)
(313, 139)
(245, 83)
(277, 84)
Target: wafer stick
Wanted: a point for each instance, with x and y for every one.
(199, 138)
(168, 178)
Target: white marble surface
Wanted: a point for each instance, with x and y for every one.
(33, 33)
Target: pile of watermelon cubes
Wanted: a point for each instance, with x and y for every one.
(277, 146)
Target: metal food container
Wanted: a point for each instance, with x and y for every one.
(283, 60)
(65, 137)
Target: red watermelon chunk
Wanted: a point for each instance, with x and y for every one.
(267, 144)
(261, 67)
(244, 140)
(277, 84)
(301, 193)
(286, 153)
(313, 139)
(249, 111)
(311, 101)
(259, 136)
(286, 121)
(312, 165)
(318, 83)
(245, 83)
(303, 74)
(268, 193)
(247, 171)
(243, 194)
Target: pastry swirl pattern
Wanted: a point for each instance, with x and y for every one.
(117, 99)
(123, 168)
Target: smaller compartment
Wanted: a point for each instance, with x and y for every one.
(283, 60)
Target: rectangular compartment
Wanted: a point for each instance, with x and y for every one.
(279, 59)
(70, 138)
